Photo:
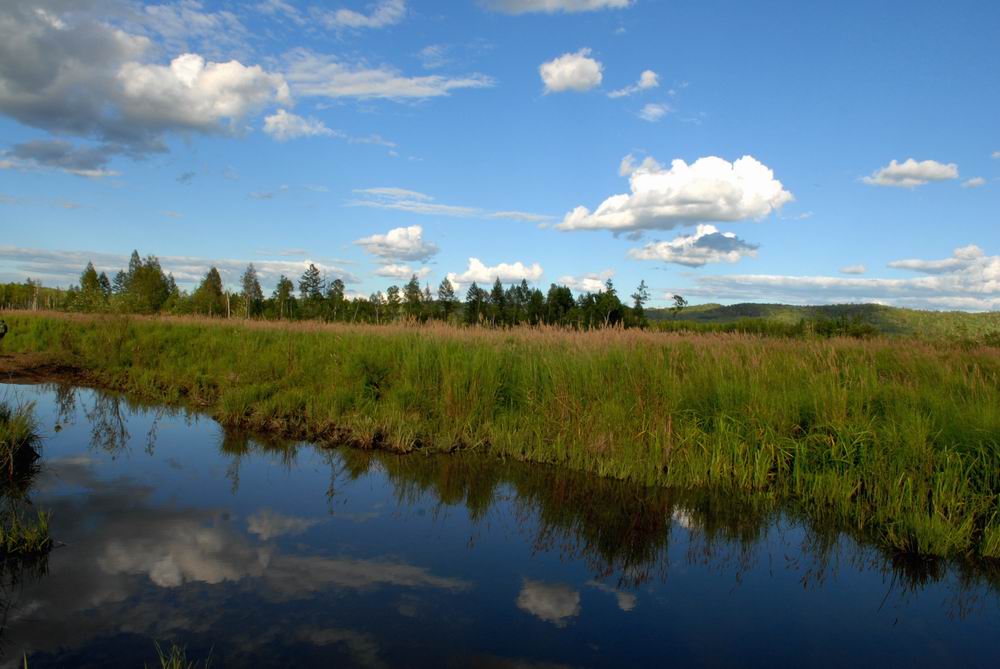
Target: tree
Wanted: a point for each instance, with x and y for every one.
(146, 286)
(253, 296)
(392, 302)
(377, 301)
(105, 284)
(498, 302)
(475, 303)
(558, 304)
(283, 295)
(639, 299)
(311, 283)
(678, 307)
(411, 297)
(91, 294)
(209, 296)
(446, 298)
(120, 283)
(335, 294)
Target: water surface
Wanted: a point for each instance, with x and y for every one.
(269, 554)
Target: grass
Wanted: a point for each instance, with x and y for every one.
(19, 536)
(895, 437)
(18, 438)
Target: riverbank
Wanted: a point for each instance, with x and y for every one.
(897, 438)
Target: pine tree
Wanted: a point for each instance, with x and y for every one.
(392, 302)
(446, 298)
(209, 296)
(412, 297)
(311, 283)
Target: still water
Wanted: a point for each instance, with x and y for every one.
(257, 553)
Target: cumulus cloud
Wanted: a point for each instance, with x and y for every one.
(910, 173)
(399, 244)
(480, 273)
(974, 182)
(648, 79)
(553, 6)
(587, 283)
(284, 126)
(968, 280)
(706, 245)
(710, 189)
(413, 202)
(384, 13)
(654, 111)
(553, 603)
(71, 73)
(571, 72)
(401, 271)
(63, 268)
(853, 269)
(313, 74)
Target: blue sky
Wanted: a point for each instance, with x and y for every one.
(773, 151)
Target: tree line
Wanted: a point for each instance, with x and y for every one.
(144, 288)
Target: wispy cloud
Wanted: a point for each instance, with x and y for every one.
(401, 199)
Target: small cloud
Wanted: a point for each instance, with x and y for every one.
(706, 245)
(647, 80)
(911, 173)
(853, 269)
(186, 177)
(172, 214)
(552, 602)
(268, 524)
(654, 111)
(284, 126)
(974, 182)
(261, 195)
(434, 56)
(571, 72)
(996, 155)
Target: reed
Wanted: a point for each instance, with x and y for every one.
(897, 437)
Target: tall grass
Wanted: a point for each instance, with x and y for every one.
(20, 535)
(900, 438)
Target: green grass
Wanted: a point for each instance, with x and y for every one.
(895, 437)
(20, 534)
(18, 438)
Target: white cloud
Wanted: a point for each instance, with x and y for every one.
(195, 94)
(321, 75)
(910, 173)
(648, 79)
(553, 6)
(413, 202)
(63, 268)
(434, 56)
(626, 600)
(284, 126)
(996, 155)
(403, 272)
(968, 280)
(654, 111)
(384, 13)
(507, 273)
(710, 189)
(706, 245)
(587, 283)
(268, 524)
(974, 182)
(853, 269)
(553, 603)
(961, 259)
(571, 72)
(399, 244)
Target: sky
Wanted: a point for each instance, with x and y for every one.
(772, 151)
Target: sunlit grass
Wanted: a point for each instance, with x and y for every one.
(898, 437)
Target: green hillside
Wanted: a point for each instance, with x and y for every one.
(890, 320)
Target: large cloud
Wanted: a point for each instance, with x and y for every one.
(706, 245)
(69, 73)
(910, 173)
(321, 75)
(553, 6)
(571, 72)
(968, 280)
(507, 272)
(399, 244)
(710, 189)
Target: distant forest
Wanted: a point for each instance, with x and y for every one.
(144, 288)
